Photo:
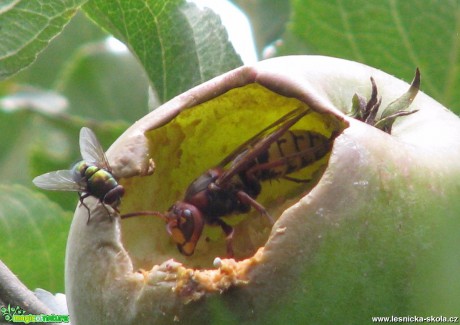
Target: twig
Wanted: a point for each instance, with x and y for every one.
(15, 293)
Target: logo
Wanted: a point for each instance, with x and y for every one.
(18, 315)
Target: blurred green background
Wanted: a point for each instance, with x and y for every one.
(59, 72)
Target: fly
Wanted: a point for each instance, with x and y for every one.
(90, 177)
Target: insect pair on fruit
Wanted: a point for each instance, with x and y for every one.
(232, 186)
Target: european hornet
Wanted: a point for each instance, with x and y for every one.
(91, 176)
(232, 186)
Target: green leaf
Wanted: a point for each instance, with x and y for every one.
(23, 133)
(26, 28)
(34, 233)
(103, 85)
(61, 51)
(16, 139)
(395, 36)
(178, 45)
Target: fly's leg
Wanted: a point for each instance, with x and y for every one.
(82, 197)
(228, 230)
(113, 198)
(107, 210)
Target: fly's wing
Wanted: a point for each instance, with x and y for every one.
(246, 153)
(91, 150)
(61, 180)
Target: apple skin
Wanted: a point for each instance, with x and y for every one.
(376, 236)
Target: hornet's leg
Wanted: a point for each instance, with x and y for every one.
(296, 180)
(245, 198)
(228, 230)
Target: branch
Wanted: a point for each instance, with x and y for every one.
(15, 293)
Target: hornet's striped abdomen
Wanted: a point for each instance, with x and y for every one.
(291, 152)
